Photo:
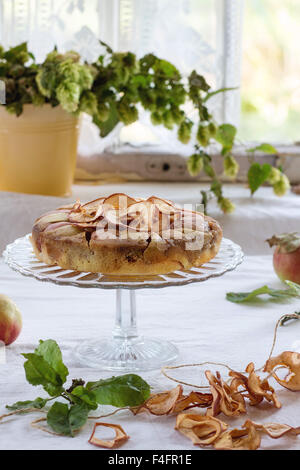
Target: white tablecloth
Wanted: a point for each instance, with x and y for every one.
(196, 318)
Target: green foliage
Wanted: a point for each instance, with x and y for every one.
(45, 367)
(65, 419)
(195, 163)
(257, 175)
(38, 404)
(266, 148)
(113, 89)
(63, 80)
(275, 294)
(86, 396)
(231, 167)
(225, 136)
(18, 71)
(125, 390)
(274, 176)
(282, 186)
(185, 131)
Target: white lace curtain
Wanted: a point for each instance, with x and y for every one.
(194, 34)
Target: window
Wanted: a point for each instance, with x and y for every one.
(201, 34)
(194, 34)
(270, 91)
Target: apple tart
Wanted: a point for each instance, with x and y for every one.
(124, 235)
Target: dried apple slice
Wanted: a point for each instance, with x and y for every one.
(161, 403)
(115, 209)
(53, 216)
(193, 400)
(276, 430)
(257, 389)
(120, 437)
(89, 212)
(166, 207)
(290, 360)
(142, 216)
(247, 438)
(119, 200)
(225, 398)
(202, 430)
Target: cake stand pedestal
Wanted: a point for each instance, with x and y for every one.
(125, 350)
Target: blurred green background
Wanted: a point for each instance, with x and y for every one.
(270, 90)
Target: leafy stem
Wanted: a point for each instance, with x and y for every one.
(45, 367)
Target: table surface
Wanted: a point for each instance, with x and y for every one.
(196, 317)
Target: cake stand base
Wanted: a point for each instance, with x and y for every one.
(137, 354)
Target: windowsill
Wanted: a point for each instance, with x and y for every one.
(147, 164)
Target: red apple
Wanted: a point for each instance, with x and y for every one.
(286, 257)
(10, 320)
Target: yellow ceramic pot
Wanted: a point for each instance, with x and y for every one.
(38, 150)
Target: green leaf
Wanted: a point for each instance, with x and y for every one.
(51, 352)
(78, 416)
(39, 372)
(247, 296)
(225, 135)
(257, 175)
(106, 46)
(14, 54)
(125, 390)
(58, 418)
(38, 403)
(266, 148)
(87, 396)
(294, 288)
(45, 367)
(166, 68)
(65, 420)
(279, 294)
(108, 125)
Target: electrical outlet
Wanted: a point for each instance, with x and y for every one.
(167, 166)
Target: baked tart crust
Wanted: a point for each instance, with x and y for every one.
(123, 235)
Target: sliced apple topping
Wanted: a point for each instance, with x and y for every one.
(119, 201)
(53, 216)
(87, 213)
(166, 207)
(122, 217)
(62, 229)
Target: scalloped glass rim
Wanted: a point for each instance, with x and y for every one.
(20, 257)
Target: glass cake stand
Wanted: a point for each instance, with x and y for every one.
(125, 350)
